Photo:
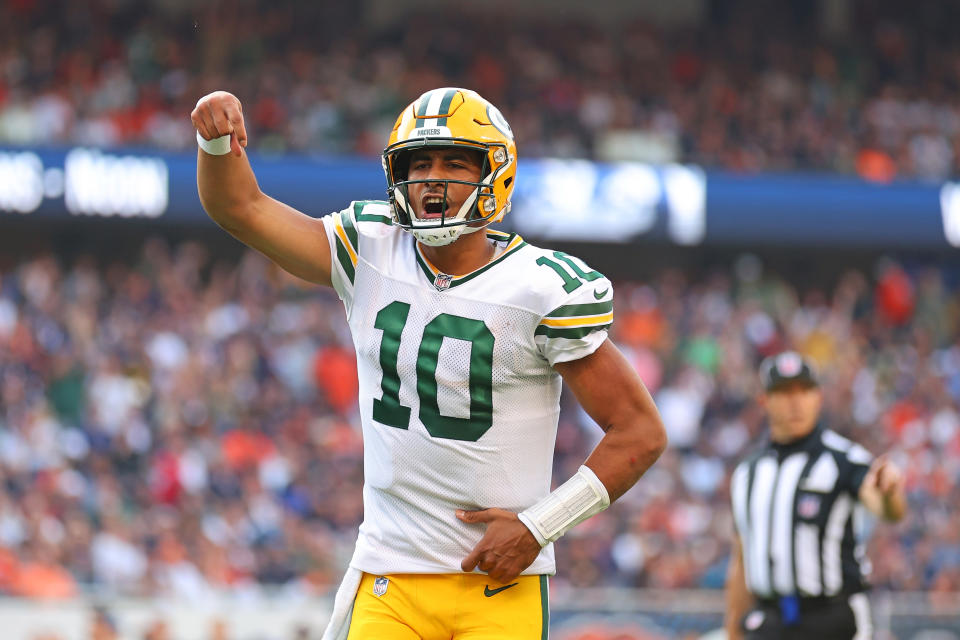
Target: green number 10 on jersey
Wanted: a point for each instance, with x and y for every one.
(388, 410)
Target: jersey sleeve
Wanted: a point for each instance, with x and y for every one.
(344, 241)
(857, 463)
(355, 237)
(577, 326)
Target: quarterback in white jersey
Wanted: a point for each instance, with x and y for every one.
(476, 422)
(462, 335)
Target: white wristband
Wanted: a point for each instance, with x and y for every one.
(577, 499)
(216, 147)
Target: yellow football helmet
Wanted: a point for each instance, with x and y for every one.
(452, 117)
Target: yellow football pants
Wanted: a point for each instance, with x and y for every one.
(466, 606)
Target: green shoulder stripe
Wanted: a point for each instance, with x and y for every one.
(372, 217)
(344, 257)
(360, 205)
(571, 333)
(351, 231)
(591, 309)
(359, 216)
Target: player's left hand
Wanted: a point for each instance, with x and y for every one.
(507, 547)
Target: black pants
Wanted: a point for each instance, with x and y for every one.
(840, 618)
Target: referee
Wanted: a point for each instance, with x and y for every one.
(797, 569)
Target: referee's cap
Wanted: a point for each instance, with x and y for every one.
(784, 368)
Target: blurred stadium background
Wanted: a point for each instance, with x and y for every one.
(179, 447)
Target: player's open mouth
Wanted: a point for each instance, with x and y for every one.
(433, 207)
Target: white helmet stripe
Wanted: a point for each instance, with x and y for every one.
(433, 107)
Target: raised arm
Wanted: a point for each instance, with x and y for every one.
(232, 198)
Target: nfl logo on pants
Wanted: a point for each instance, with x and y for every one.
(380, 586)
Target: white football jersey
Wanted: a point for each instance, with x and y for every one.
(458, 398)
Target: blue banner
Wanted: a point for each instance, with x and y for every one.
(568, 200)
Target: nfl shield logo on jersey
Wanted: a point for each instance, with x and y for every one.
(380, 586)
(808, 506)
(442, 281)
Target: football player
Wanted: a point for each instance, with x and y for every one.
(462, 336)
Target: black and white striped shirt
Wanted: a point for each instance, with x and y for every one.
(800, 522)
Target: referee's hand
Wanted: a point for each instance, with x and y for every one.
(885, 476)
(218, 114)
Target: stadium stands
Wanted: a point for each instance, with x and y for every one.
(751, 88)
(179, 424)
(177, 419)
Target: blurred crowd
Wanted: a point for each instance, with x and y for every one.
(753, 86)
(185, 424)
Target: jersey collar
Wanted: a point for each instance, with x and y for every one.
(444, 281)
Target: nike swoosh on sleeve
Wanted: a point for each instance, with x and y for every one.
(600, 294)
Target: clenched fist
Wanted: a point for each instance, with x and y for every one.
(218, 114)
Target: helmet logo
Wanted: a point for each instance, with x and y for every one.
(497, 120)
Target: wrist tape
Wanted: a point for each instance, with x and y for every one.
(577, 499)
(216, 147)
